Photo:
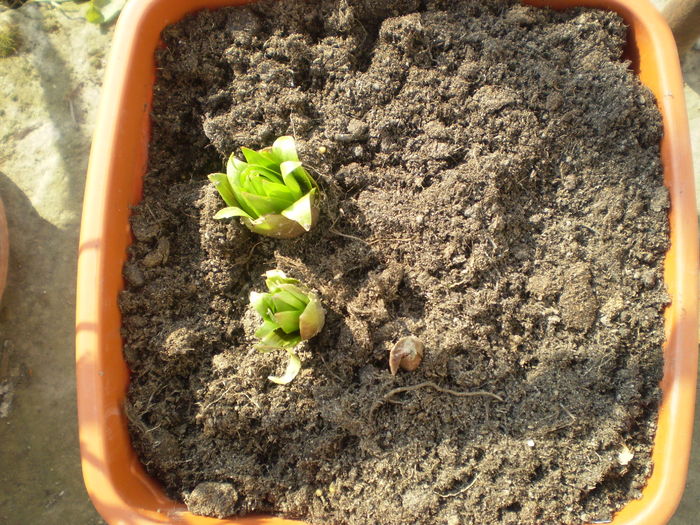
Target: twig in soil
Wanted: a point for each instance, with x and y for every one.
(388, 239)
(72, 111)
(588, 228)
(336, 232)
(294, 129)
(291, 262)
(205, 407)
(255, 403)
(573, 418)
(328, 369)
(358, 311)
(151, 212)
(429, 384)
(460, 491)
(563, 425)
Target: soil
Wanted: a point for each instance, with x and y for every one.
(492, 185)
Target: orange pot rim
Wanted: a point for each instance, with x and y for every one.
(117, 484)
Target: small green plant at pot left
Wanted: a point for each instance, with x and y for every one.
(291, 314)
(271, 191)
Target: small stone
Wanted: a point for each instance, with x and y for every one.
(530, 443)
(357, 129)
(625, 456)
(570, 182)
(145, 232)
(649, 278)
(159, 255)
(133, 275)
(212, 499)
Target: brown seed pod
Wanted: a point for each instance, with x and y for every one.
(407, 353)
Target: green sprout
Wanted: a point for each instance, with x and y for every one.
(291, 314)
(271, 192)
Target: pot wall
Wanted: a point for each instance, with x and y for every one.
(119, 487)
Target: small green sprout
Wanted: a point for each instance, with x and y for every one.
(291, 314)
(271, 192)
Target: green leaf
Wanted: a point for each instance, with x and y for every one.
(261, 303)
(295, 291)
(93, 14)
(235, 165)
(262, 205)
(301, 211)
(231, 211)
(274, 278)
(285, 148)
(261, 172)
(287, 170)
(235, 187)
(312, 319)
(278, 339)
(221, 183)
(293, 367)
(258, 158)
(288, 321)
(278, 191)
(305, 179)
(283, 300)
(265, 329)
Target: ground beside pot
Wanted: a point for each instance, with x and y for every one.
(523, 244)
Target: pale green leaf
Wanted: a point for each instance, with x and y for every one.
(221, 183)
(285, 300)
(278, 339)
(275, 225)
(265, 329)
(287, 170)
(312, 319)
(231, 211)
(235, 165)
(285, 148)
(288, 321)
(276, 277)
(297, 292)
(261, 303)
(293, 367)
(301, 211)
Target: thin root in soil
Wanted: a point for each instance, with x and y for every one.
(429, 384)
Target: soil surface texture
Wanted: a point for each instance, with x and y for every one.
(491, 184)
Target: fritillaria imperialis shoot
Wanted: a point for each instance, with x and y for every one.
(271, 191)
(291, 314)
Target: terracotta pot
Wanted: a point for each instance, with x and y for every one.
(116, 481)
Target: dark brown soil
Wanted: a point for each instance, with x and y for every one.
(492, 186)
